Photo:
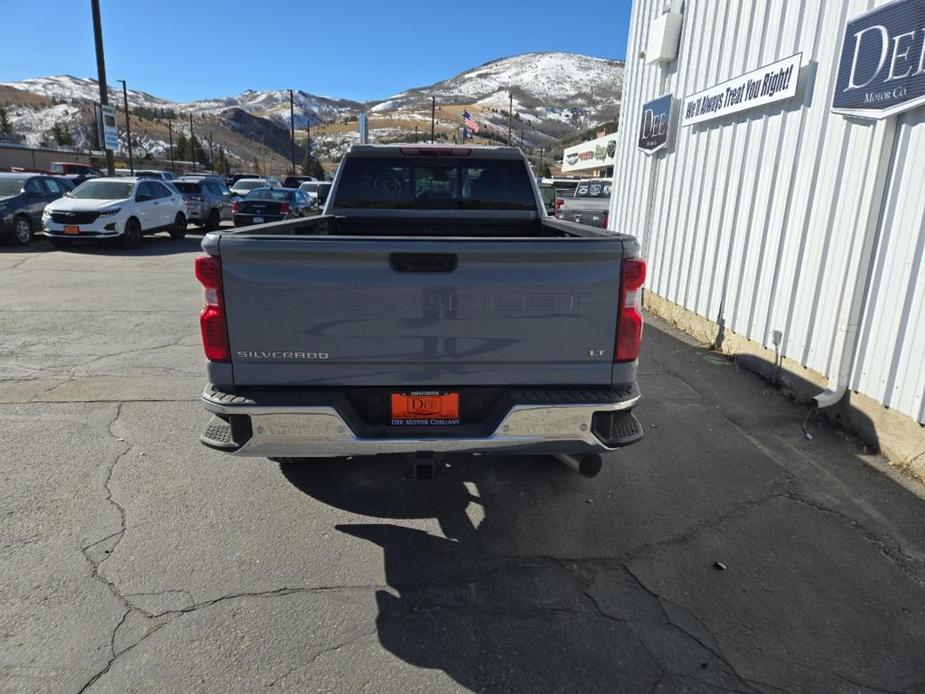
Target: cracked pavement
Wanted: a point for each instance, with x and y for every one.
(133, 559)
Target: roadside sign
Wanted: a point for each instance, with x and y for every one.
(653, 130)
(108, 127)
(765, 85)
(881, 68)
(594, 154)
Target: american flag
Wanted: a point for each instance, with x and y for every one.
(469, 122)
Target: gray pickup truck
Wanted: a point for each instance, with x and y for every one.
(433, 307)
(590, 204)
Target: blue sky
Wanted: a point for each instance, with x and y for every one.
(356, 49)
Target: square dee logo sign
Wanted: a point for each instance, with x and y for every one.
(774, 82)
(653, 130)
(881, 68)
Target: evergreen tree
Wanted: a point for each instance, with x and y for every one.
(6, 128)
(61, 135)
(193, 148)
(223, 167)
(181, 147)
(317, 170)
(307, 164)
(545, 172)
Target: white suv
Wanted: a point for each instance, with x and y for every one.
(124, 208)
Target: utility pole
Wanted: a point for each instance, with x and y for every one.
(128, 128)
(308, 143)
(292, 129)
(415, 133)
(194, 150)
(170, 135)
(211, 160)
(101, 75)
(510, 115)
(433, 117)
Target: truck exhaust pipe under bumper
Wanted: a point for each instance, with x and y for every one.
(586, 465)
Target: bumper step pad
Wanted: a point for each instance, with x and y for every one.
(221, 435)
(617, 429)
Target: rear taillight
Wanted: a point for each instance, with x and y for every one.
(559, 203)
(235, 207)
(629, 324)
(284, 208)
(605, 219)
(212, 318)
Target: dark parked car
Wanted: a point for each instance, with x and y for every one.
(23, 198)
(270, 205)
(296, 181)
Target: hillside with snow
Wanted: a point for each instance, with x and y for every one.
(555, 96)
(70, 88)
(274, 104)
(576, 90)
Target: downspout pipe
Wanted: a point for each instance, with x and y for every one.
(850, 318)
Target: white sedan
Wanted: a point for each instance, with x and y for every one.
(123, 208)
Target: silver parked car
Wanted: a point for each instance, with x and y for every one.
(208, 200)
(245, 185)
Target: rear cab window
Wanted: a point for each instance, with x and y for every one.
(434, 183)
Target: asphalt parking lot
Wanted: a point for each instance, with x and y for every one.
(723, 553)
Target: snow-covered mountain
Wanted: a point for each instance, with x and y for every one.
(559, 86)
(69, 88)
(555, 96)
(274, 104)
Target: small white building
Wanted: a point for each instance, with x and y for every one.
(780, 201)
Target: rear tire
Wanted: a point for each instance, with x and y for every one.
(178, 230)
(214, 221)
(131, 237)
(22, 230)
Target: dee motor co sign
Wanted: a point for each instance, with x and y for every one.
(653, 128)
(881, 68)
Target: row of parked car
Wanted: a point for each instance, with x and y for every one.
(74, 202)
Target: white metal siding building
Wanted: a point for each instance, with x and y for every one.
(769, 219)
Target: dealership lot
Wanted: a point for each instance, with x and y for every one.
(724, 552)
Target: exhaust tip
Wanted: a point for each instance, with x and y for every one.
(587, 465)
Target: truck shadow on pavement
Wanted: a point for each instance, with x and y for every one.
(724, 552)
(459, 603)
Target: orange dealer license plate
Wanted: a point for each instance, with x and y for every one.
(71, 230)
(425, 408)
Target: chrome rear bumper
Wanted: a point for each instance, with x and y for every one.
(319, 431)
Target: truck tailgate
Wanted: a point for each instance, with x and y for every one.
(391, 311)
